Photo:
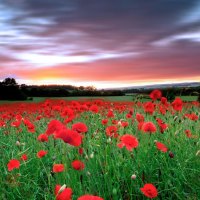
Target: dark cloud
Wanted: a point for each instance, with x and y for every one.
(161, 35)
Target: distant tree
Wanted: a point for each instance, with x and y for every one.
(198, 98)
(170, 93)
(10, 90)
(9, 82)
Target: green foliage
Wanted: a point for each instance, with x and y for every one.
(108, 172)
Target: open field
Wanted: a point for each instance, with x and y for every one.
(106, 149)
(106, 98)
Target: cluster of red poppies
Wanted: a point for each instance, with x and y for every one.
(62, 117)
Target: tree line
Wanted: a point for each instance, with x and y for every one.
(11, 90)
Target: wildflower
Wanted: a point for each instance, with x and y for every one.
(80, 127)
(155, 94)
(110, 114)
(43, 137)
(58, 168)
(148, 127)
(192, 116)
(177, 104)
(94, 108)
(160, 146)
(80, 151)
(16, 123)
(63, 193)
(54, 126)
(78, 165)
(41, 153)
(161, 125)
(164, 101)
(129, 141)
(24, 157)
(139, 117)
(111, 131)
(104, 121)
(149, 190)
(89, 197)
(149, 107)
(13, 164)
(71, 137)
(188, 133)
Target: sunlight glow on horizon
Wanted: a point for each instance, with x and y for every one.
(104, 84)
(130, 43)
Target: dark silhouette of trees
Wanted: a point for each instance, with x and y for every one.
(9, 82)
(10, 90)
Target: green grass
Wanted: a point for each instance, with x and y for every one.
(189, 98)
(108, 173)
(107, 98)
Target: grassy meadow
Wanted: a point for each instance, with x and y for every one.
(109, 148)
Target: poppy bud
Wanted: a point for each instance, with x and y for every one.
(92, 155)
(171, 155)
(133, 177)
(61, 189)
(88, 173)
(114, 191)
(198, 153)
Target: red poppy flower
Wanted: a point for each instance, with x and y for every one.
(89, 197)
(188, 133)
(63, 194)
(13, 164)
(155, 94)
(160, 146)
(124, 124)
(94, 108)
(129, 141)
(71, 137)
(111, 131)
(16, 123)
(24, 157)
(110, 114)
(139, 117)
(149, 190)
(192, 116)
(164, 101)
(78, 165)
(58, 168)
(54, 126)
(2, 124)
(30, 126)
(128, 115)
(148, 127)
(43, 137)
(161, 125)
(80, 151)
(140, 124)
(177, 104)
(80, 127)
(41, 153)
(104, 121)
(149, 107)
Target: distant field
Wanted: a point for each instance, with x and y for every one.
(108, 98)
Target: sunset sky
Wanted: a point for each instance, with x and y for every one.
(104, 43)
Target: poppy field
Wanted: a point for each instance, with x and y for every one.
(100, 150)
